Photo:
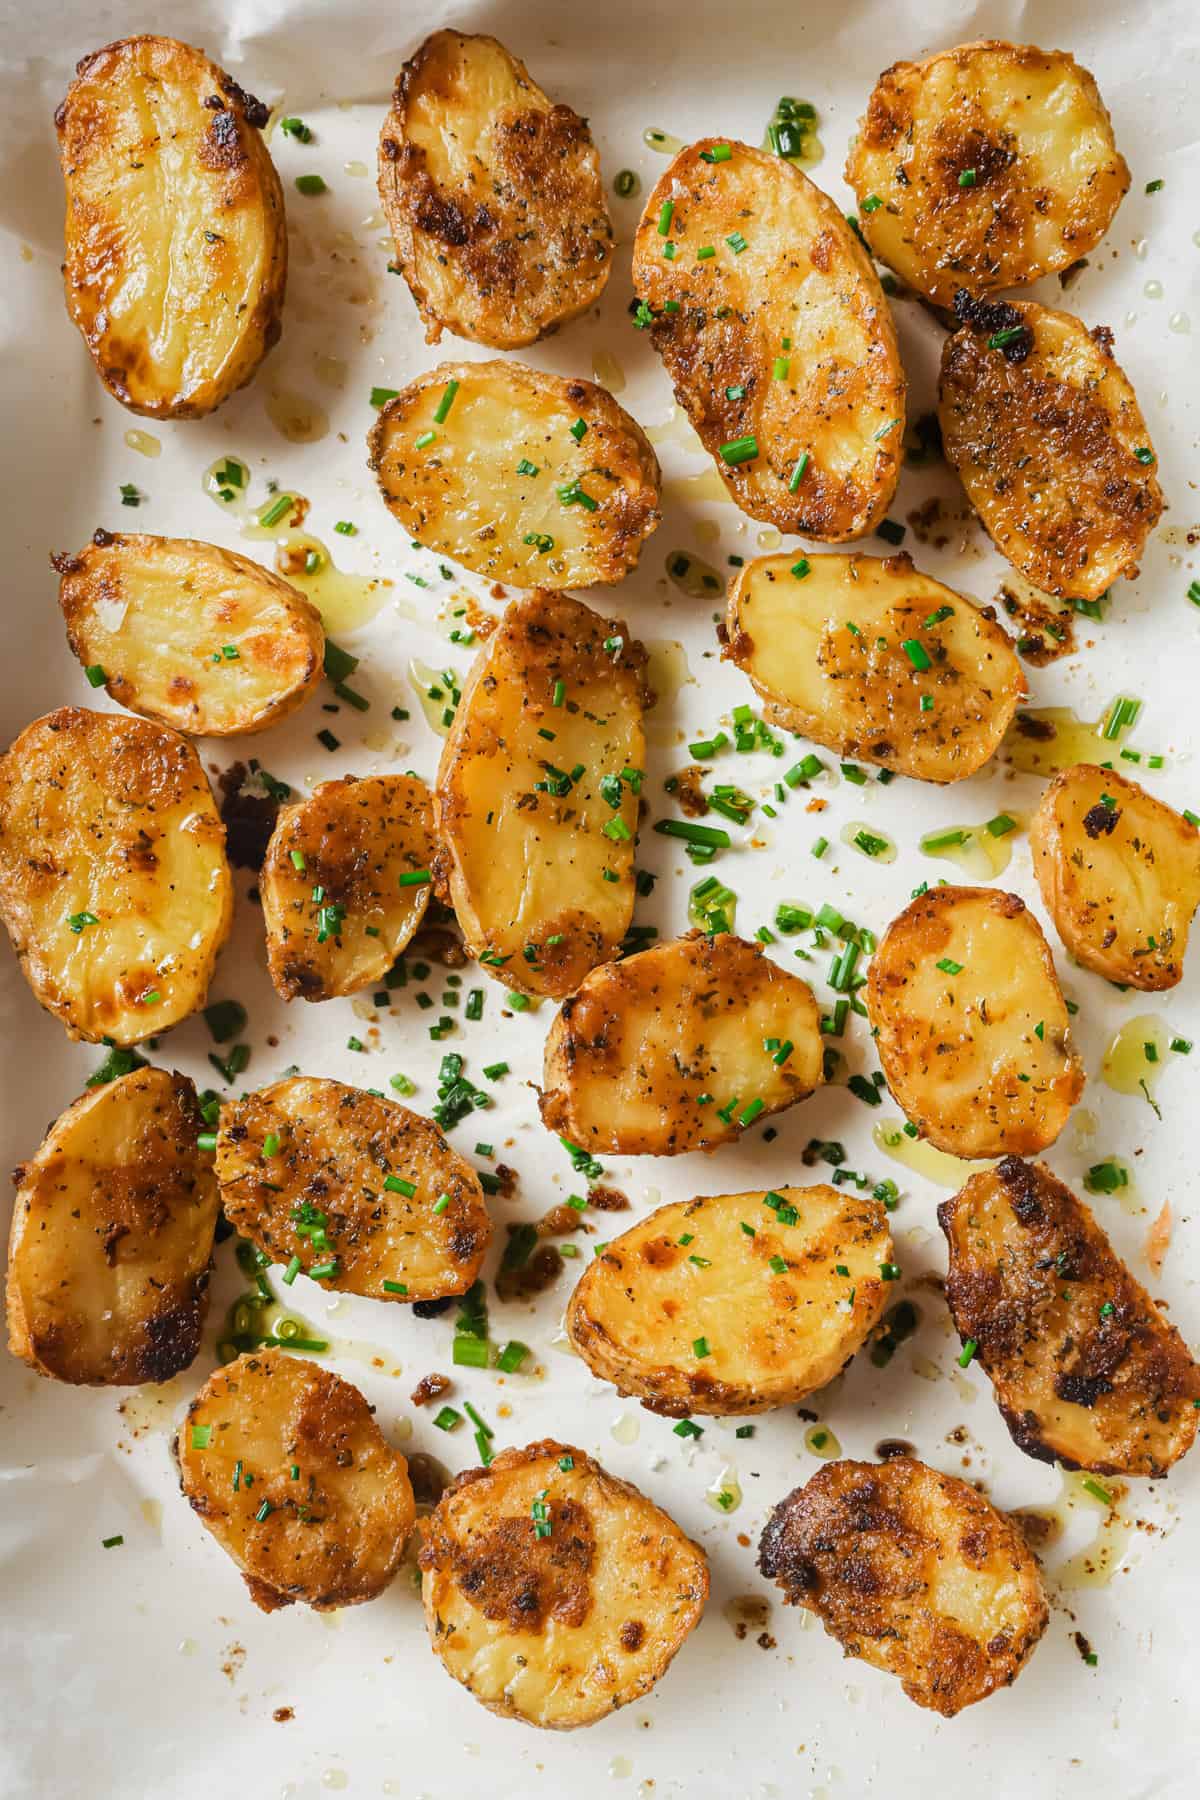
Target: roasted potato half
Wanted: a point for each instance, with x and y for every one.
(1087, 1371)
(847, 650)
(345, 883)
(734, 1303)
(773, 327)
(284, 1464)
(913, 1571)
(537, 831)
(114, 886)
(970, 1024)
(112, 1235)
(554, 1592)
(1050, 444)
(1120, 875)
(985, 166)
(524, 477)
(176, 255)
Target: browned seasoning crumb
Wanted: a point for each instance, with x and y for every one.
(507, 1179)
(560, 1221)
(480, 622)
(686, 788)
(533, 1277)
(886, 1448)
(1083, 1646)
(1046, 633)
(608, 1199)
(428, 1388)
(927, 523)
(282, 1714)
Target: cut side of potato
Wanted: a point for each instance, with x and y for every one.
(734, 1303)
(538, 835)
(848, 650)
(114, 886)
(176, 244)
(493, 194)
(112, 1236)
(971, 1025)
(771, 322)
(524, 477)
(914, 1572)
(554, 1592)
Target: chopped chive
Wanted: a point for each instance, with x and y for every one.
(739, 450)
(966, 178)
(442, 410)
(665, 213)
(96, 676)
(310, 184)
(967, 1352)
(794, 480)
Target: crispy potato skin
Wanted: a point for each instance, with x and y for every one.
(913, 1571)
(773, 1337)
(557, 1631)
(112, 1232)
(1030, 126)
(1121, 882)
(856, 690)
(1045, 448)
(333, 1536)
(493, 195)
(113, 817)
(176, 243)
(804, 276)
(1087, 1371)
(960, 1050)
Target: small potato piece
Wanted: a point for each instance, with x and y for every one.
(985, 166)
(460, 479)
(359, 844)
(112, 1235)
(307, 1154)
(782, 352)
(913, 1571)
(176, 241)
(493, 194)
(201, 639)
(524, 847)
(1120, 875)
(554, 1592)
(971, 1026)
(768, 1312)
(334, 1534)
(114, 886)
(827, 652)
(1049, 442)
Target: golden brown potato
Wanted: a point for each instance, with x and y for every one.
(1087, 1371)
(913, 1571)
(773, 327)
(985, 166)
(176, 253)
(1120, 875)
(112, 1235)
(534, 829)
(970, 1024)
(553, 1591)
(845, 650)
(114, 886)
(735, 1303)
(1049, 442)
(283, 1463)
(493, 194)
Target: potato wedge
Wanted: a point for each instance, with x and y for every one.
(971, 1026)
(529, 849)
(1086, 1370)
(913, 1571)
(493, 194)
(773, 327)
(985, 166)
(112, 1236)
(176, 252)
(846, 652)
(1049, 442)
(554, 1592)
(114, 886)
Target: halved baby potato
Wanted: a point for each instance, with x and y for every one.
(971, 1026)
(734, 1303)
(554, 1592)
(114, 886)
(176, 251)
(112, 1236)
(773, 327)
(848, 649)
